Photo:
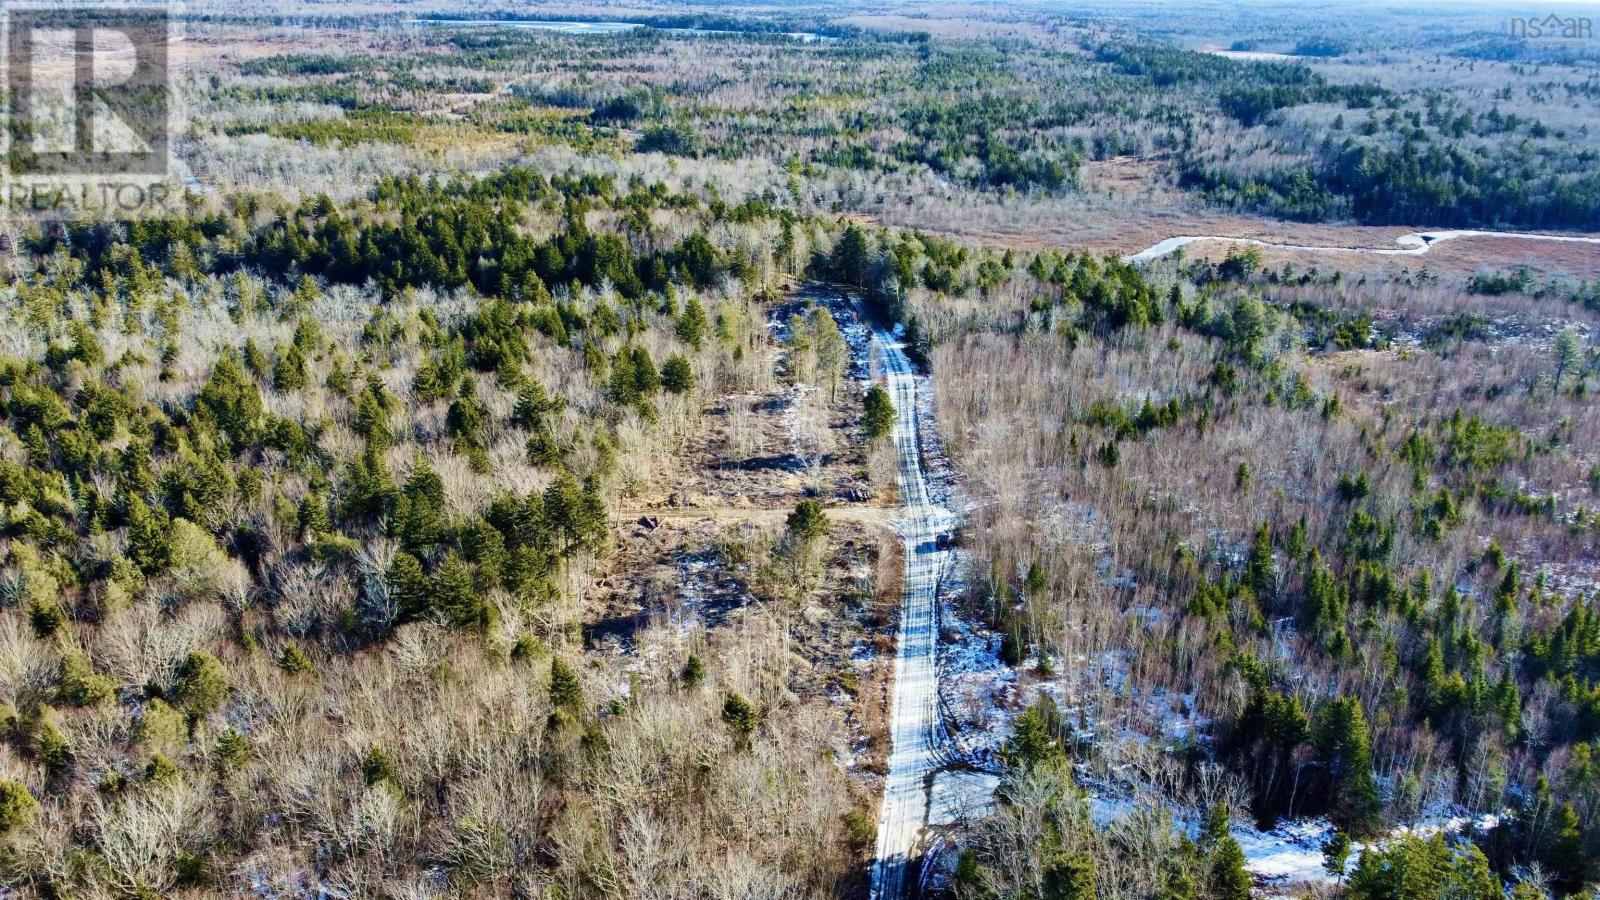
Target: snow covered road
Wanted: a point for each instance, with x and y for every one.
(917, 734)
(1414, 244)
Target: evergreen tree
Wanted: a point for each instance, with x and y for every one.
(1229, 880)
(623, 387)
(848, 262)
(456, 597)
(1410, 866)
(807, 522)
(417, 517)
(290, 372)
(676, 375)
(741, 717)
(294, 661)
(466, 419)
(533, 405)
(407, 587)
(1032, 743)
(369, 490)
(1070, 876)
(311, 515)
(1259, 572)
(694, 671)
(149, 536)
(968, 880)
(691, 324)
(1341, 742)
(1566, 860)
(1336, 854)
(378, 767)
(17, 807)
(877, 414)
(1034, 583)
(646, 381)
(575, 514)
(202, 683)
(1568, 354)
(372, 416)
(565, 690)
(231, 401)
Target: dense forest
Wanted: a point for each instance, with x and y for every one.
(1384, 159)
(484, 478)
(1364, 655)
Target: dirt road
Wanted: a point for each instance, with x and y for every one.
(915, 729)
(1414, 244)
(759, 515)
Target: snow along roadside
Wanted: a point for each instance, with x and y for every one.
(1414, 244)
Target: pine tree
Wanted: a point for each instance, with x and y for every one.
(877, 414)
(1177, 878)
(1566, 859)
(17, 806)
(149, 536)
(542, 448)
(311, 516)
(1035, 581)
(646, 381)
(1229, 880)
(231, 401)
(575, 514)
(417, 518)
(565, 690)
(81, 685)
(202, 683)
(533, 404)
(290, 372)
(294, 661)
(807, 522)
(1259, 572)
(1341, 741)
(1070, 876)
(741, 717)
(1410, 866)
(1336, 854)
(407, 587)
(968, 881)
(1032, 742)
(1431, 681)
(622, 387)
(691, 324)
(485, 548)
(369, 489)
(466, 418)
(372, 416)
(1508, 703)
(378, 767)
(694, 671)
(1568, 352)
(676, 375)
(848, 261)
(456, 597)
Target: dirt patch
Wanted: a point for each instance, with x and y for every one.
(702, 579)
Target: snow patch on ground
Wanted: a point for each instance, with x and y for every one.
(958, 796)
(976, 689)
(1292, 852)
